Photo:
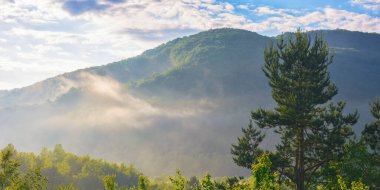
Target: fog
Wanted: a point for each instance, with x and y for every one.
(101, 117)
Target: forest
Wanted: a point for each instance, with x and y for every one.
(318, 148)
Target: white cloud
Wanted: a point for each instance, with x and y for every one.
(49, 37)
(326, 18)
(244, 7)
(25, 11)
(265, 10)
(373, 5)
(6, 85)
(229, 7)
(42, 34)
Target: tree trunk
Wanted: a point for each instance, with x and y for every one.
(300, 161)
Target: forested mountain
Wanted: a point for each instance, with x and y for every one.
(179, 105)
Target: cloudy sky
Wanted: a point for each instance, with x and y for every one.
(43, 38)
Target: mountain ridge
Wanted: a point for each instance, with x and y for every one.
(179, 105)
(155, 70)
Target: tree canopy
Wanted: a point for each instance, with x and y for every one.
(313, 130)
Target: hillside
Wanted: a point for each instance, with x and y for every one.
(179, 105)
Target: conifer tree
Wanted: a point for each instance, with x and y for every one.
(247, 148)
(312, 129)
(371, 132)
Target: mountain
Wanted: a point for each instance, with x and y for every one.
(179, 105)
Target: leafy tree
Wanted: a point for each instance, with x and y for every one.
(312, 134)
(356, 164)
(143, 183)
(9, 166)
(247, 148)
(360, 160)
(228, 183)
(206, 183)
(262, 177)
(179, 182)
(110, 182)
(12, 178)
(341, 185)
(355, 185)
(32, 180)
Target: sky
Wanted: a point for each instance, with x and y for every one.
(43, 38)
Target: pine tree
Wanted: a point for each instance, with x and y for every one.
(247, 148)
(371, 132)
(312, 134)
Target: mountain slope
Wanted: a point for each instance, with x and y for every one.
(234, 65)
(218, 62)
(179, 105)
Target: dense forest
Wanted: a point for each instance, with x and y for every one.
(318, 147)
(59, 170)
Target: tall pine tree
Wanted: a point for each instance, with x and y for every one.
(312, 130)
(371, 132)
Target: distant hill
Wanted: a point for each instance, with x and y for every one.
(179, 105)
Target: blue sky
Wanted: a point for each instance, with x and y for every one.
(44, 38)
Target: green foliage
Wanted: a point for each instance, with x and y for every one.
(9, 166)
(110, 182)
(144, 183)
(60, 167)
(227, 183)
(371, 132)
(311, 134)
(33, 180)
(162, 183)
(206, 183)
(11, 178)
(206, 64)
(356, 164)
(358, 161)
(247, 148)
(262, 177)
(355, 185)
(179, 182)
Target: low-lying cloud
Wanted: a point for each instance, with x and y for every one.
(101, 117)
